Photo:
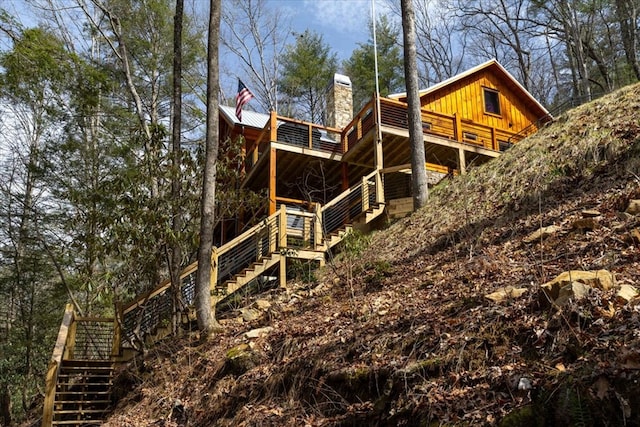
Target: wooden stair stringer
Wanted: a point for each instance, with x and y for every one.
(250, 273)
(374, 212)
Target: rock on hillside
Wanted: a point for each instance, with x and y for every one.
(406, 334)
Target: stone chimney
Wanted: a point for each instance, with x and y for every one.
(339, 102)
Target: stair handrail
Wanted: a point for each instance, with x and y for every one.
(274, 220)
(249, 233)
(346, 192)
(166, 284)
(59, 354)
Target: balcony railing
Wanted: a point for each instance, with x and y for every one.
(453, 127)
(294, 133)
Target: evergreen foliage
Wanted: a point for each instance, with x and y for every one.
(360, 67)
(308, 67)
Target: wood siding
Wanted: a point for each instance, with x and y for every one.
(465, 98)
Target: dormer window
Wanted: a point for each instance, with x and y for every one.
(491, 101)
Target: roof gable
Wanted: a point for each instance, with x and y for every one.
(495, 68)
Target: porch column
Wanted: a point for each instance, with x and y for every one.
(345, 176)
(378, 155)
(273, 126)
(462, 161)
(272, 181)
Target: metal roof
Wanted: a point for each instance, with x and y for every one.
(249, 118)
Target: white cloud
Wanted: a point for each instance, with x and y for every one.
(341, 15)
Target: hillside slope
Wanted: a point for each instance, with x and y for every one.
(403, 333)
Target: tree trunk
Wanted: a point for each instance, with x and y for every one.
(5, 405)
(176, 223)
(419, 184)
(204, 314)
(627, 13)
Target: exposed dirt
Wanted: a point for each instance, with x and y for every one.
(403, 334)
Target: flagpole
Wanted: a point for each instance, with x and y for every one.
(375, 62)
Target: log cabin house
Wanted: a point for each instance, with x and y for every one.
(467, 120)
(321, 182)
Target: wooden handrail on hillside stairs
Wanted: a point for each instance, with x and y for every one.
(288, 233)
(78, 381)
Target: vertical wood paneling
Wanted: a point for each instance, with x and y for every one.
(465, 98)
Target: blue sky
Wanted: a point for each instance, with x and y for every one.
(342, 23)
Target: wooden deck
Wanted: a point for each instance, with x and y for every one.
(288, 151)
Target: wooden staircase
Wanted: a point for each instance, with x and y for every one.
(250, 273)
(79, 377)
(83, 392)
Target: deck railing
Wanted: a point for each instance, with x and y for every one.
(295, 133)
(289, 228)
(393, 114)
(362, 123)
(351, 203)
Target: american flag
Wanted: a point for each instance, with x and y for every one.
(244, 95)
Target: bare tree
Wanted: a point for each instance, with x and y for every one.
(500, 29)
(565, 22)
(256, 34)
(204, 314)
(419, 183)
(440, 47)
(627, 13)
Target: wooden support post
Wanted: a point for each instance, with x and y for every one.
(306, 231)
(365, 194)
(282, 227)
(115, 346)
(273, 126)
(462, 161)
(310, 137)
(255, 153)
(71, 340)
(377, 139)
(457, 127)
(213, 283)
(272, 180)
(283, 271)
(345, 142)
(379, 188)
(377, 152)
(272, 231)
(317, 231)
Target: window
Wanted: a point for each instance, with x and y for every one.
(504, 145)
(491, 101)
(468, 136)
(426, 126)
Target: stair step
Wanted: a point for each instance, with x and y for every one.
(86, 368)
(84, 379)
(83, 423)
(80, 396)
(80, 412)
(87, 362)
(84, 402)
